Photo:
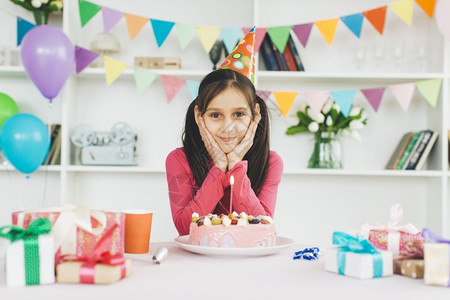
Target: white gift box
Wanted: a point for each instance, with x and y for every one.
(15, 272)
(358, 265)
(437, 264)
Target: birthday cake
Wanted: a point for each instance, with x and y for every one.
(232, 231)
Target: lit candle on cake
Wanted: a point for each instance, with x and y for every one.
(231, 194)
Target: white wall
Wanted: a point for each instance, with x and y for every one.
(310, 206)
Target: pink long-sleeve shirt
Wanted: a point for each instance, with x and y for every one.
(214, 194)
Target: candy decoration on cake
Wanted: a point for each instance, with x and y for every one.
(241, 59)
(233, 230)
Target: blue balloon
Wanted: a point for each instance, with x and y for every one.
(24, 141)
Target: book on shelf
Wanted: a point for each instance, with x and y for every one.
(296, 56)
(448, 149)
(289, 59)
(415, 155)
(268, 54)
(55, 159)
(408, 151)
(55, 138)
(278, 56)
(399, 150)
(274, 60)
(426, 150)
(412, 150)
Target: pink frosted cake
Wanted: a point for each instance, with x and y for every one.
(234, 231)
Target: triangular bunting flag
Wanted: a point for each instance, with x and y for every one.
(87, 11)
(185, 33)
(427, 6)
(110, 18)
(231, 36)
(161, 29)
(316, 100)
(172, 85)
(430, 89)
(327, 28)
(285, 101)
(208, 36)
(23, 27)
(302, 32)
(260, 33)
(403, 9)
(193, 86)
(135, 24)
(83, 58)
(403, 92)
(143, 78)
(263, 94)
(113, 69)
(354, 23)
(374, 96)
(344, 99)
(279, 36)
(377, 18)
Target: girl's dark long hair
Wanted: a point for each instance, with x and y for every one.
(197, 155)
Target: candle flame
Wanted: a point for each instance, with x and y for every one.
(231, 180)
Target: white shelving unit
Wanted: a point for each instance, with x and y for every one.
(311, 203)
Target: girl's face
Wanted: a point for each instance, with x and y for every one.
(227, 118)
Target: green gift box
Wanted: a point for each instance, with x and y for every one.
(30, 258)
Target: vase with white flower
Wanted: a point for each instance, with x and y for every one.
(327, 126)
(40, 8)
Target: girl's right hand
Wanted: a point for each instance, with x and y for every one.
(215, 152)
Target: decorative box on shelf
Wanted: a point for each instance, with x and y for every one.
(158, 62)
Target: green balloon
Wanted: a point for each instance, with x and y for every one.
(8, 108)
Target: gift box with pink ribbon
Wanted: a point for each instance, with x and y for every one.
(437, 259)
(100, 266)
(401, 240)
(77, 229)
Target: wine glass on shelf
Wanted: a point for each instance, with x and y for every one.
(422, 54)
(379, 52)
(359, 56)
(215, 53)
(398, 55)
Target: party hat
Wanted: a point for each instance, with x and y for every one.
(241, 59)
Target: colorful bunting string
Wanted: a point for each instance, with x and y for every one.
(403, 93)
(279, 34)
(429, 88)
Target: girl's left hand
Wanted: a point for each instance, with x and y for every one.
(239, 152)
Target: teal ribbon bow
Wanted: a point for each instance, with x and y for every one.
(30, 239)
(349, 243)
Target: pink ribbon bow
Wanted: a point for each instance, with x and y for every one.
(101, 254)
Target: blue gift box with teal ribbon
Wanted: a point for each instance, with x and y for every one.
(30, 256)
(356, 257)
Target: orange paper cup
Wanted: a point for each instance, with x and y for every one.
(138, 226)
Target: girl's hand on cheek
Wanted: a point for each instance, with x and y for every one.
(247, 142)
(215, 152)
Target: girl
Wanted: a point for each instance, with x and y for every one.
(226, 133)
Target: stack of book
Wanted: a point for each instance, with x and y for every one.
(54, 154)
(412, 150)
(274, 60)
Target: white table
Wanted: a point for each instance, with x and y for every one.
(185, 275)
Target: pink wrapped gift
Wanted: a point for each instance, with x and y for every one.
(76, 229)
(403, 240)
